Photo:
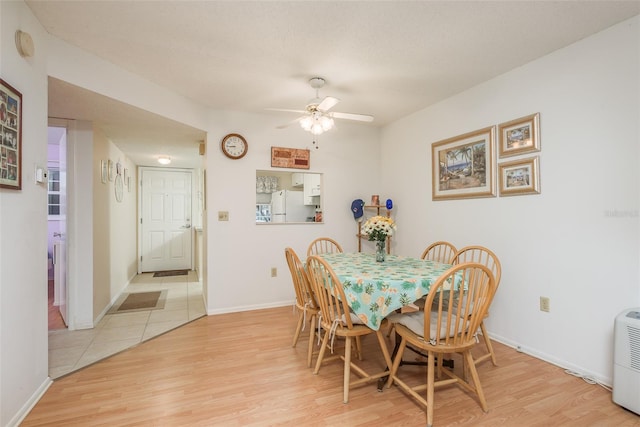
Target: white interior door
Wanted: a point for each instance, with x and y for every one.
(166, 219)
(60, 239)
(60, 277)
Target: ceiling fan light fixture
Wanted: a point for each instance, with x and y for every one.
(317, 123)
(327, 123)
(164, 160)
(317, 129)
(306, 123)
(316, 117)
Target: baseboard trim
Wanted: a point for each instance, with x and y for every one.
(608, 381)
(30, 403)
(249, 307)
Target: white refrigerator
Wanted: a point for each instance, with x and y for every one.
(288, 206)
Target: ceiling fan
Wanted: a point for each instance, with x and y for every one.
(316, 117)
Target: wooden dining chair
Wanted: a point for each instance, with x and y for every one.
(338, 321)
(324, 245)
(306, 304)
(486, 257)
(446, 330)
(439, 251)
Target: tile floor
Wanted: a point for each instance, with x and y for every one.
(72, 350)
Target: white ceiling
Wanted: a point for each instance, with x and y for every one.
(384, 58)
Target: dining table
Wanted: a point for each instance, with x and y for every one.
(375, 289)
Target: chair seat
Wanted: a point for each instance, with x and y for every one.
(415, 323)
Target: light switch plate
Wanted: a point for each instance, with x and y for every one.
(40, 175)
(223, 216)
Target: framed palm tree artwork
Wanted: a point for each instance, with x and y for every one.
(463, 166)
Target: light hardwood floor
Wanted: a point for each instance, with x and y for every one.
(240, 370)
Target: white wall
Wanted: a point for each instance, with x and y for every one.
(564, 243)
(114, 231)
(240, 253)
(23, 227)
(79, 224)
(123, 227)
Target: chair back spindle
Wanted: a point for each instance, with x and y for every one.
(323, 245)
(439, 251)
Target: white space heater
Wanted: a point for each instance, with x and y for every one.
(626, 360)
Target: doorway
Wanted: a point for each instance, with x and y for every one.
(57, 226)
(165, 232)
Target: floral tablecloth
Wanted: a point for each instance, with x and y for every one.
(376, 289)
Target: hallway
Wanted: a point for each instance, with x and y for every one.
(72, 350)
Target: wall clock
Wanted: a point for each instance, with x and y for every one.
(234, 146)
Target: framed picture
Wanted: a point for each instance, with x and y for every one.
(282, 157)
(10, 137)
(104, 174)
(463, 166)
(520, 177)
(519, 136)
(110, 169)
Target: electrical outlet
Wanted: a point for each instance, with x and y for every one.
(545, 304)
(274, 272)
(223, 216)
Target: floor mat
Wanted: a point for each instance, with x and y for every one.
(170, 273)
(140, 301)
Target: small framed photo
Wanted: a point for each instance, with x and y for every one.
(10, 137)
(519, 136)
(110, 169)
(104, 173)
(463, 166)
(520, 177)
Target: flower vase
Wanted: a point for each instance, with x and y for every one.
(380, 252)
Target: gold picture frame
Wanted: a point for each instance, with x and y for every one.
(463, 166)
(519, 136)
(520, 177)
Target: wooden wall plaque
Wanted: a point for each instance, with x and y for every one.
(295, 158)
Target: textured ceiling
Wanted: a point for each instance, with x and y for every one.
(384, 58)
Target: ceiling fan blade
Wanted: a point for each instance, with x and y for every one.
(351, 116)
(327, 103)
(286, 125)
(286, 110)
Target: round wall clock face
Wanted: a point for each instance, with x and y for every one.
(234, 146)
(119, 188)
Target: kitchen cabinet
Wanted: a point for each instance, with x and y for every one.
(312, 188)
(297, 179)
(312, 184)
